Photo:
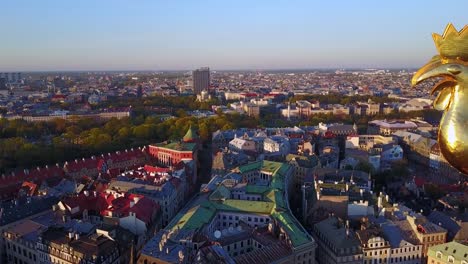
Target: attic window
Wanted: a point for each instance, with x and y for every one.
(451, 259)
(439, 254)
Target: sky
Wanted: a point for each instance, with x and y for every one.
(49, 35)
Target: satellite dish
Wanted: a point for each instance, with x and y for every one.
(231, 229)
(239, 228)
(217, 234)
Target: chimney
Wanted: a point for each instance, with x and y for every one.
(77, 236)
(70, 235)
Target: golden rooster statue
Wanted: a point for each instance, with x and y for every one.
(452, 65)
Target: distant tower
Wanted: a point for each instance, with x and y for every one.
(201, 80)
(140, 91)
(289, 111)
(191, 136)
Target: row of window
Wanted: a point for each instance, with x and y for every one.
(26, 254)
(433, 238)
(406, 249)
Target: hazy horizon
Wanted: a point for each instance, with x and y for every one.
(60, 36)
(219, 70)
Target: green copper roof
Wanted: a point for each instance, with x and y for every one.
(274, 203)
(179, 146)
(250, 167)
(256, 189)
(296, 234)
(458, 251)
(272, 166)
(190, 135)
(276, 197)
(195, 218)
(232, 205)
(221, 193)
(265, 166)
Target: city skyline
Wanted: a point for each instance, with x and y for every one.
(179, 35)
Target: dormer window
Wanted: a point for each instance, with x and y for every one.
(451, 259)
(439, 254)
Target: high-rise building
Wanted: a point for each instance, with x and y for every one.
(3, 83)
(201, 80)
(11, 77)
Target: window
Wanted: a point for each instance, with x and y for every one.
(439, 254)
(451, 259)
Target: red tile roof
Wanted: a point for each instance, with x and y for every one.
(152, 169)
(121, 206)
(29, 188)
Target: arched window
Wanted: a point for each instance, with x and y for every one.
(451, 259)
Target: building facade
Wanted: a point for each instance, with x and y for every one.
(448, 253)
(201, 80)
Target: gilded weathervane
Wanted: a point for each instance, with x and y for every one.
(452, 66)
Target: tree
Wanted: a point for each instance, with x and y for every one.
(365, 166)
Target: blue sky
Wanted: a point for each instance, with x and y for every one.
(222, 34)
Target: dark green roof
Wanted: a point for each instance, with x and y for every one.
(179, 146)
(273, 203)
(221, 193)
(458, 251)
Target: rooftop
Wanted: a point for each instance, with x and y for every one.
(18, 209)
(205, 207)
(458, 251)
(178, 146)
(333, 230)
